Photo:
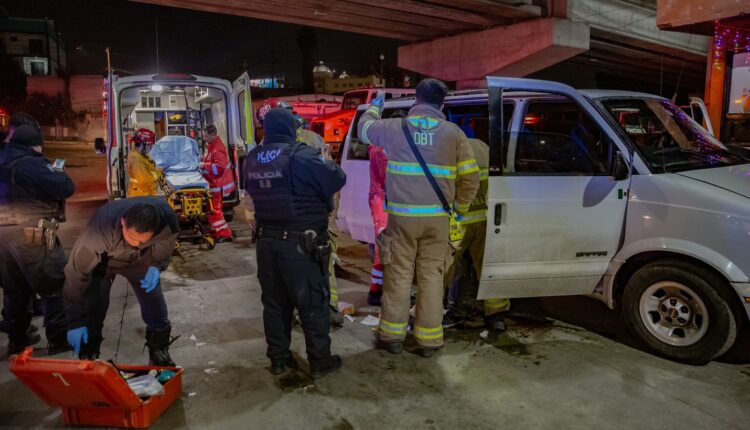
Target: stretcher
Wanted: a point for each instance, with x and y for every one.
(186, 191)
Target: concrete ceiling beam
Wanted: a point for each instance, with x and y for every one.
(513, 50)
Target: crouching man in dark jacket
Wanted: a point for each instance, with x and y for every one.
(291, 187)
(133, 238)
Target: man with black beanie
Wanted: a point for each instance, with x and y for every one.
(32, 194)
(292, 186)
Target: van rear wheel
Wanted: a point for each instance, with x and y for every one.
(680, 311)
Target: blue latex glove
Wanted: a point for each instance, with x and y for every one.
(458, 216)
(76, 337)
(151, 280)
(379, 100)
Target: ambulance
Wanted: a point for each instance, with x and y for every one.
(176, 104)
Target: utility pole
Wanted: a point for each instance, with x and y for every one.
(382, 60)
(156, 31)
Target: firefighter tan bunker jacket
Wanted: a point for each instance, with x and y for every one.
(418, 225)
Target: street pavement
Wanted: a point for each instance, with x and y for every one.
(583, 371)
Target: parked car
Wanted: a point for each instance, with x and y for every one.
(619, 195)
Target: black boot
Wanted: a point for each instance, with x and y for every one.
(158, 342)
(90, 350)
(279, 367)
(321, 369)
(17, 345)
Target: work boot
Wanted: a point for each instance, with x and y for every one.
(58, 344)
(450, 320)
(337, 320)
(318, 371)
(17, 346)
(90, 350)
(495, 322)
(279, 367)
(158, 342)
(392, 347)
(426, 352)
(375, 298)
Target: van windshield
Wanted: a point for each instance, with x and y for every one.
(667, 138)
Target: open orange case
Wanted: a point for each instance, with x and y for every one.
(92, 393)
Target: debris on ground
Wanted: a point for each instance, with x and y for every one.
(370, 320)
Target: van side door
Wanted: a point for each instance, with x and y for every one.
(555, 216)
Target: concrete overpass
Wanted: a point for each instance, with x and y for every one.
(465, 40)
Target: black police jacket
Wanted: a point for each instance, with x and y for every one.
(37, 190)
(291, 185)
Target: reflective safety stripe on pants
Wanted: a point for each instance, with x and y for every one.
(218, 225)
(493, 306)
(414, 245)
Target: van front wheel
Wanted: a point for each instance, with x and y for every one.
(678, 311)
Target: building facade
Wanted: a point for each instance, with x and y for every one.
(32, 44)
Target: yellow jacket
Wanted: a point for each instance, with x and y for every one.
(142, 175)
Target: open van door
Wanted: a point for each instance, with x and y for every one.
(242, 114)
(558, 186)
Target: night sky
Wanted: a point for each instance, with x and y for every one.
(194, 42)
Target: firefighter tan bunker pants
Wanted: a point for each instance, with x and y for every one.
(414, 246)
(474, 234)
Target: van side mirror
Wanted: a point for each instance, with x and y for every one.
(620, 170)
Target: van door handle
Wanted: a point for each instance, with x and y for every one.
(498, 213)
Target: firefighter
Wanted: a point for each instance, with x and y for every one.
(314, 140)
(217, 169)
(469, 255)
(133, 238)
(420, 216)
(292, 189)
(142, 174)
(32, 194)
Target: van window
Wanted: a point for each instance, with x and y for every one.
(358, 151)
(558, 138)
(473, 119)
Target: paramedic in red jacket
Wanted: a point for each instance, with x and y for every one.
(217, 169)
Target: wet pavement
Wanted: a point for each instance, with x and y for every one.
(581, 371)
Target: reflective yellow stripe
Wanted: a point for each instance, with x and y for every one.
(397, 329)
(364, 137)
(496, 304)
(428, 333)
(474, 217)
(415, 169)
(400, 209)
(468, 166)
(484, 174)
(373, 110)
(462, 208)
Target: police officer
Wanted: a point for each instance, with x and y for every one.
(32, 194)
(134, 238)
(314, 140)
(291, 187)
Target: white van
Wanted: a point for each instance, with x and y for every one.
(177, 104)
(616, 194)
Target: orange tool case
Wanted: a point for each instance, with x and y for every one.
(92, 393)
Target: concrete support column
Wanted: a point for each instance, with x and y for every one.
(513, 50)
